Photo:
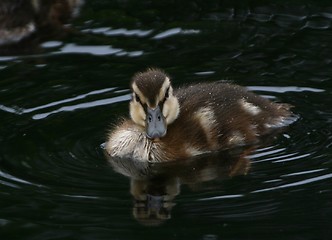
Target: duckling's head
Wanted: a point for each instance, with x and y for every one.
(153, 105)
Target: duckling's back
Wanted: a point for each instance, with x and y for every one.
(221, 115)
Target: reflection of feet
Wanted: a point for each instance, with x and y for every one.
(153, 211)
(154, 186)
(153, 199)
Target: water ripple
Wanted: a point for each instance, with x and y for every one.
(97, 50)
(85, 105)
(107, 31)
(295, 184)
(221, 197)
(290, 157)
(303, 172)
(175, 31)
(12, 179)
(280, 89)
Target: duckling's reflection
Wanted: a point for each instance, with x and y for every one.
(155, 185)
(24, 24)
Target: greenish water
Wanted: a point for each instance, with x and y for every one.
(60, 93)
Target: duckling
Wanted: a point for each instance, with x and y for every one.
(24, 20)
(170, 124)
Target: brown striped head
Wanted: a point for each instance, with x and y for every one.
(153, 105)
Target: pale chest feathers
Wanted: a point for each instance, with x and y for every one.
(132, 142)
(129, 143)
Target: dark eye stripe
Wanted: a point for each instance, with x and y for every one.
(161, 103)
(137, 98)
(167, 93)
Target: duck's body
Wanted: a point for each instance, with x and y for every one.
(199, 118)
(20, 20)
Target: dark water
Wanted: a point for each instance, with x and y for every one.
(60, 92)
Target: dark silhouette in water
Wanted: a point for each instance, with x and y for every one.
(155, 185)
(26, 23)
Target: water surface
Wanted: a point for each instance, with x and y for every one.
(60, 94)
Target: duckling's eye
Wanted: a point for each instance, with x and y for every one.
(137, 98)
(167, 93)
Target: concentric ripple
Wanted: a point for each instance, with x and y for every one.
(58, 159)
(58, 103)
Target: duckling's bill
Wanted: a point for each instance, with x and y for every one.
(155, 123)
